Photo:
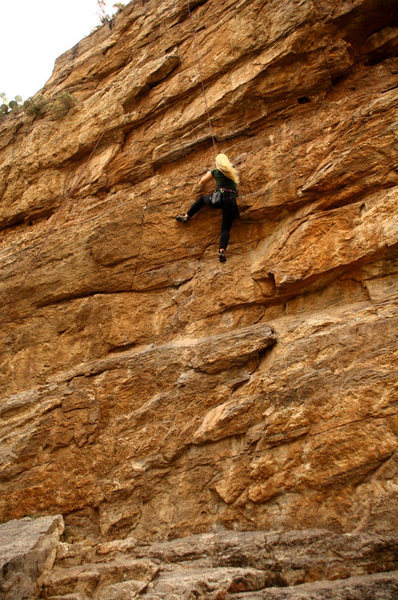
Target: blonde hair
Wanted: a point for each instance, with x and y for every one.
(224, 165)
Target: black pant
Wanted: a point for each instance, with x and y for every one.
(229, 213)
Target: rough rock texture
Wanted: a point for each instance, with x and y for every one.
(314, 564)
(28, 549)
(148, 390)
(225, 565)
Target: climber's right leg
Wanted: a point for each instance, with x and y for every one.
(228, 217)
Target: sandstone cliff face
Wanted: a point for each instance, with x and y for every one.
(147, 389)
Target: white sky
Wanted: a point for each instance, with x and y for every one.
(33, 33)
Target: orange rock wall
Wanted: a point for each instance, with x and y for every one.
(147, 389)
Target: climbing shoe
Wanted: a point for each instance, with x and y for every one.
(221, 256)
(182, 218)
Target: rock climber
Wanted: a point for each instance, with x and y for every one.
(224, 197)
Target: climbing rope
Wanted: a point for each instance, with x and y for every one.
(193, 33)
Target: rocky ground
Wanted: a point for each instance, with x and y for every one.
(150, 392)
(312, 564)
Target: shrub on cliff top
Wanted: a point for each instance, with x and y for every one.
(35, 107)
(57, 107)
(104, 17)
(61, 105)
(119, 7)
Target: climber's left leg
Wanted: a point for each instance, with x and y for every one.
(196, 206)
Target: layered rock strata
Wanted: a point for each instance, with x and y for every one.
(148, 390)
(227, 565)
